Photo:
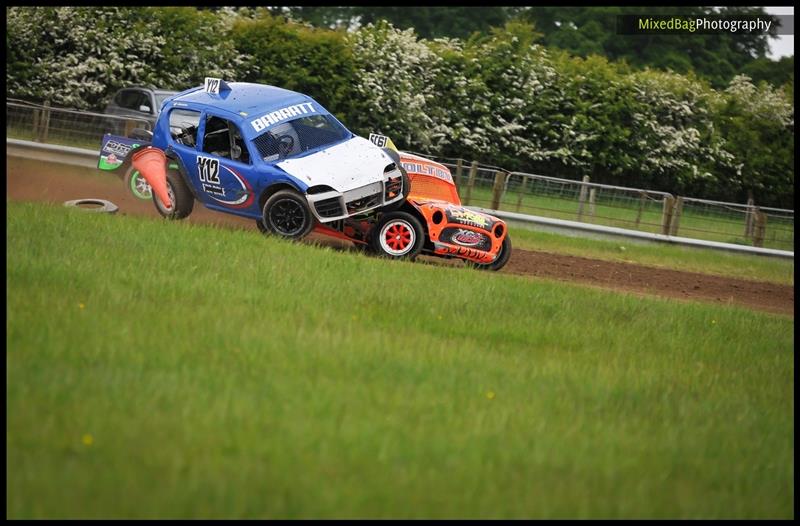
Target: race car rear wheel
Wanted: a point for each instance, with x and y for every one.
(287, 214)
(398, 235)
(501, 259)
(182, 200)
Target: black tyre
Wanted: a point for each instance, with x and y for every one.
(261, 227)
(287, 214)
(500, 261)
(397, 235)
(180, 195)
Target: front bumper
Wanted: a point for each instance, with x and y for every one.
(460, 232)
(333, 206)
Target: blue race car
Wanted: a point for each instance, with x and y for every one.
(266, 153)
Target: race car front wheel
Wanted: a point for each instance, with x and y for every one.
(182, 200)
(501, 259)
(398, 235)
(287, 214)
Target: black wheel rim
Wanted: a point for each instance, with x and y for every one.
(287, 217)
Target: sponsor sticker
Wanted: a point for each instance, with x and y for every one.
(468, 217)
(115, 147)
(274, 117)
(466, 253)
(417, 167)
(467, 238)
(114, 150)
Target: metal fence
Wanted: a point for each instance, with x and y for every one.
(493, 187)
(42, 123)
(745, 224)
(637, 209)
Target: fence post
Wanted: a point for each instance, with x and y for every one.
(582, 197)
(676, 216)
(36, 124)
(129, 126)
(760, 227)
(666, 214)
(592, 196)
(642, 201)
(44, 123)
(522, 191)
(497, 189)
(473, 172)
(459, 174)
(748, 216)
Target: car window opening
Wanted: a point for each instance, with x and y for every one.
(223, 139)
(183, 126)
(297, 136)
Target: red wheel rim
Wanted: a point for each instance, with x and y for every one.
(397, 237)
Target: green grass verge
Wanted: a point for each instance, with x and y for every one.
(172, 370)
(76, 139)
(690, 259)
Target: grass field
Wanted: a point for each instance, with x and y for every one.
(171, 370)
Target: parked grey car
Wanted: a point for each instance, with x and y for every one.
(140, 102)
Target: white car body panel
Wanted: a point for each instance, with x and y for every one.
(345, 166)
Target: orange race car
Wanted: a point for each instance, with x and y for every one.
(430, 221)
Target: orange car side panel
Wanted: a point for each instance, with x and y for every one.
(458, 231)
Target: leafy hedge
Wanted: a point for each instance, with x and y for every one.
(500, 98)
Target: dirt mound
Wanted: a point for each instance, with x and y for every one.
(36, 181)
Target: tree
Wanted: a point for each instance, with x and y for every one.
(427, 22)
(775, 72)
(87, 53)
(297, 57)
(717, 57)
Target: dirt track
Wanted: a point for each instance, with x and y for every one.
(35, 181)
